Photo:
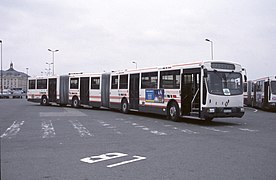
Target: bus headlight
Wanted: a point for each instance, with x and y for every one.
(242, 109)
(211, 110)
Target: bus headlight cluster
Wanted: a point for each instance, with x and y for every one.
(242, 109)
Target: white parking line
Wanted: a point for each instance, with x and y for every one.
(80, 128)
(109, 126)
(158, 133)
(48, 129)
(189, 131)
(214, 129)
(12, 130)
(249, 130)
(68, 112)
(137, 158)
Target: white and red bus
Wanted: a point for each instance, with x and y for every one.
(75, 89)
(265, 93)
(202, 90)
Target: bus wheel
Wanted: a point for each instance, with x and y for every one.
(124, 106)
(44, 101)
(173, 112)
(75, 102)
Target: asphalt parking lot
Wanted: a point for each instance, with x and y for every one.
(50, 142)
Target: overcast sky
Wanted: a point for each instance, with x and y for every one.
(105, 35)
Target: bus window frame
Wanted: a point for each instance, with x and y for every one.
(95, 84)
(114, 82)
(74, 85)
(41, 84)
(32, 86)
(148, 80)
(123, 83)
(175, 80)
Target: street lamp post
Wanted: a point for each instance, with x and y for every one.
(135, 63)
(1, 71)
(53, 51)
(212, 48)
(49, 69)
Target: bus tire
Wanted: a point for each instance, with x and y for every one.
(173, 112)
(44, 101)
(75, 102)
(124, 106)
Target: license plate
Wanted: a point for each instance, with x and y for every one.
(227, 110)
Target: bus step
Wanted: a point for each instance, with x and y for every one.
(195, 114)
(195, 109)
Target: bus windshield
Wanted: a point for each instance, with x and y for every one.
(224, 83)
(273, 87)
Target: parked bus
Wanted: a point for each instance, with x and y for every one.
(201, 90)
(248, 93)
(265, 93)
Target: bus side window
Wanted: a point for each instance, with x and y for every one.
(170, 79)
(95, 82)
(74, 83)
(149, 80)
(31, 84)
(123, 81)
(42, 84)
(114, 82)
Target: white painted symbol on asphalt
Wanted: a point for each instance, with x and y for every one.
(13, 129)
(109, 156)
(80, 128)
(48, 129)
(137, 158)
(103, 157)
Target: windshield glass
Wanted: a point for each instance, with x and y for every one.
(224, 83)
(273, 87)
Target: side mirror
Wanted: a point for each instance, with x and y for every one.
(245, 78)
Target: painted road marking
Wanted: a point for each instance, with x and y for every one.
(249, 130)
(80, 128)
(48, 129)
(158, 133)
(68, 112)
(214, 129)
(106, 125)
(109, 156)
(102, 157)
(134, 124)
(12, 130)
(137, 158)
(189, 131)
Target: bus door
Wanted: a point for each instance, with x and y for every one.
(190, 92)
(52, 90)
(266, 94)
(84, 90)
(134, 92)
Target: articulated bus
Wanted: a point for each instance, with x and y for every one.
(263, 93)
(200, 90)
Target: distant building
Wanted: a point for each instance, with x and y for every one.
(14, 79)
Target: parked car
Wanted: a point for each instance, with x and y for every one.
(6, 93)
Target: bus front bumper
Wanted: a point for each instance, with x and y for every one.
(220, 112)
